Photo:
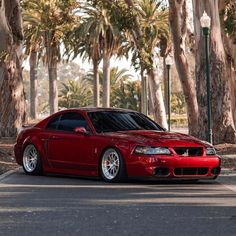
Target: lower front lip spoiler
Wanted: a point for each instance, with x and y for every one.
(199, 172)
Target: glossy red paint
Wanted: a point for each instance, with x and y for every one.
(79, 153)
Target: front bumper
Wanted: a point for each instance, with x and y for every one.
(202, 167)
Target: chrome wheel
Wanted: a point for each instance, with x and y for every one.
(30, 158)
(110, 164)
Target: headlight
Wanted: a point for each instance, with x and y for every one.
(210, 151)
(152, 150)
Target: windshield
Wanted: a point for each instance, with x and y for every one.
(113, 121)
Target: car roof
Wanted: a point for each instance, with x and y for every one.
(96, 109)
(42, 123)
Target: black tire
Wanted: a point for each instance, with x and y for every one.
(112, 166)
(32, 164)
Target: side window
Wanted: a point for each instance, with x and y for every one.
(53, 123)
(70, 121)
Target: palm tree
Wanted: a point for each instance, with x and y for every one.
(151, 28)
(46, 23)
(127, 95)
(118, 78)
(84, 45)
(101, 38)
(76, 93)
(32, 44)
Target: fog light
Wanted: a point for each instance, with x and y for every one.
(215, 170)
(162, 171)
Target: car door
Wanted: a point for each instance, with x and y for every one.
(67, 149)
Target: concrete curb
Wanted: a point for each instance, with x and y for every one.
(228, 161)
(227, 171)
(228, 156)
(8, 173)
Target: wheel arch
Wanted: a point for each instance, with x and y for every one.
(38, 145)
(113, 147)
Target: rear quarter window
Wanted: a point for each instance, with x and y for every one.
(70, 121)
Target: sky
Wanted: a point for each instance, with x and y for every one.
(121, 63)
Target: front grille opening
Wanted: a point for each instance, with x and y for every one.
(202, 171)
(189, 151)
(162, 171)
(190, 171)
(178, 171)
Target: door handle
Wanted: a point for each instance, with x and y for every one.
(55, 137)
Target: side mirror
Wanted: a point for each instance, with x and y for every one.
(81, 130)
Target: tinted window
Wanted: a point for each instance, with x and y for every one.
(70, 121)
(53, 124)
(119, 121)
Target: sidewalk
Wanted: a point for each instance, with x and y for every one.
(228, 164)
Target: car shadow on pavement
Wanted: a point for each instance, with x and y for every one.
(51, 179)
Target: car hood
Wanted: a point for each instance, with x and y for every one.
(163, 138)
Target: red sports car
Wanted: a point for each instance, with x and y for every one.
(113, 144)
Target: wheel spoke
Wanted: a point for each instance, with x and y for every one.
(30, 158)
(110, 164)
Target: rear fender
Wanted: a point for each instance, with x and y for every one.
(38, 145)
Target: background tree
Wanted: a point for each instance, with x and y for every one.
(76, 93)
(151, 26)
(83, 42)
(178, 25)
(12, 103)
(125, 92)
(137, 35)
(33, 61)
(33, 44)
(220, 73)
(105, 35)
(227, 10)
(128, 95)
(50, 21)
(118, 78)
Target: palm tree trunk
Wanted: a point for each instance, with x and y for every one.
(96, 85)
(12, 102)
(157, 100)
(144, 103)
(178, 25)
(220, 74)
(165, 82)
(52, 74)
(106, 79)
(33, 84)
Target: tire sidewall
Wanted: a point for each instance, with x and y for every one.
(38, 169)
(121, 175)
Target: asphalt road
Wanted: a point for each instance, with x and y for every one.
(51, 205)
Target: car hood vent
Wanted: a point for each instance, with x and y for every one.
(189, 151)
